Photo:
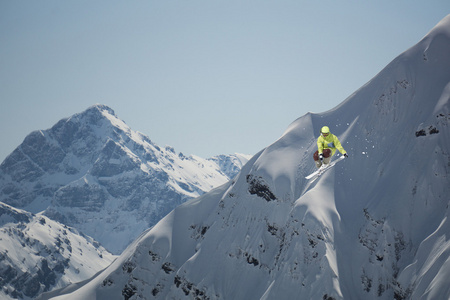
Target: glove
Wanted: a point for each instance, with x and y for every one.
(321, 157)
(345, 155)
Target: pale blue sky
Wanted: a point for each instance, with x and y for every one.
(206, 77)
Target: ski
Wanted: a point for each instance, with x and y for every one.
(323, 168)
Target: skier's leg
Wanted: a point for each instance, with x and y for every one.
(316, 159)
(318, 163)
(326, 156)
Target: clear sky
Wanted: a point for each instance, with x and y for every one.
(206, 77)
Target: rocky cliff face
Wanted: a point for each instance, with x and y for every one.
(92, 172)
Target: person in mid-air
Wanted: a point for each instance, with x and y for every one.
(327, 143)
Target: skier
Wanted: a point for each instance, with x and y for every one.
(327, 143)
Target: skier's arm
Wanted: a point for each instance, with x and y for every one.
(338, 146)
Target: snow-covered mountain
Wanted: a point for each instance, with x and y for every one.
(92, 172)
(376, 226)
(38, 254)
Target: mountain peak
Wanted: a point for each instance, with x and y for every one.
(95, 115)
(443, 26)
(98, 107)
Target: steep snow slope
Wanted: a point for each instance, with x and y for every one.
(38, 254)
(92, 172)
(375, 226)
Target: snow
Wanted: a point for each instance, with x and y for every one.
(374, 226)
(28, 240)
(92, 172)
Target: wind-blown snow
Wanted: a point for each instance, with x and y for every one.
(374, 226)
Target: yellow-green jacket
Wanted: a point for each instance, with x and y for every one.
(329, 142)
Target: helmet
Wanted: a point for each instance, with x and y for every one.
(325, 129)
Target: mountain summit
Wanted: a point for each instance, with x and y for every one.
(375, 226)
(92, 172)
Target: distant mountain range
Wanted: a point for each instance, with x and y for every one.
(92, 172)
(376, 226)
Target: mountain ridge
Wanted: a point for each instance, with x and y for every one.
(373, 227)
(38, 254)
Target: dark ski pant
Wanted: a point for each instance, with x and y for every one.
(326, 157)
